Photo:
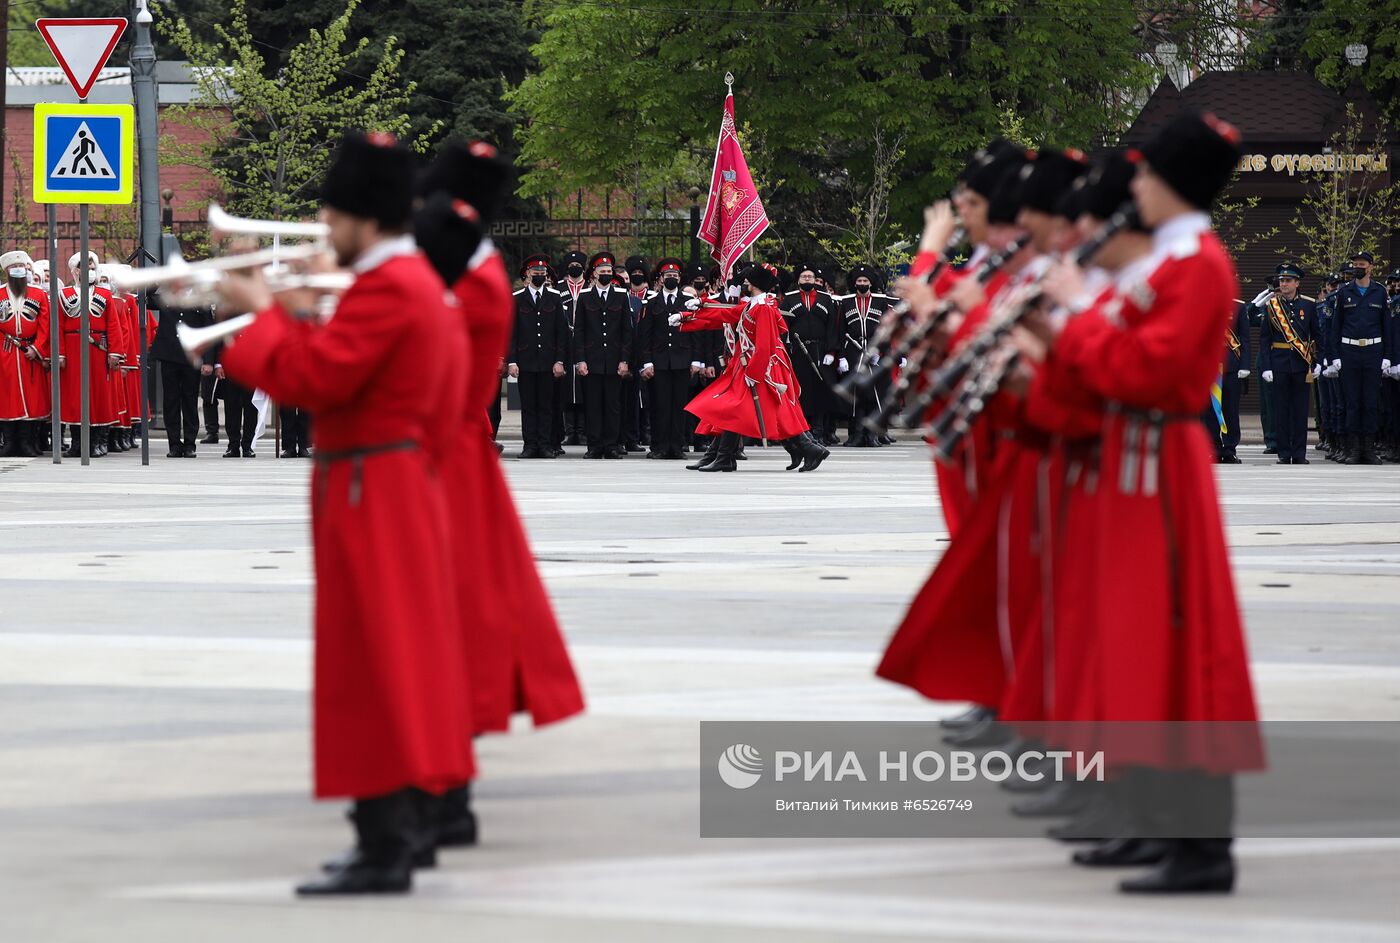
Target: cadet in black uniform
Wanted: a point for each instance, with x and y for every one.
(669, 361)
(853, 328)
(635, 416)
(1360, 322)
(1287, 335)
(568, 392)
(602, 339)
(1329, 412)
(539, 348)
(811, 316)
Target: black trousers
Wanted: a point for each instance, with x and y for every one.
(1361, 387)
(296, 429)
(602, 406)
(240, 415)
(670, 392)
(536, 388)
(816, 398)
(181, 385)
(493, 412)
(209, 398)
(1289, 394)
(631, 410)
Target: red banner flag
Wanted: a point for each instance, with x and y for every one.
(734, 215)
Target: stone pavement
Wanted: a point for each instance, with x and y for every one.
(154, 667)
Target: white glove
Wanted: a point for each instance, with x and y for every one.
(828, 360)
(732, 292)
(1317, 370)
(903, 361)
(1241, 374)
(842, 365)
(1268, 376)
(1335, 369)
(692, 304)
(1262, 295)
(675, 319)
(1385, 366)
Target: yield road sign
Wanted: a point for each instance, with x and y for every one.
(83, 153)
(81, 45)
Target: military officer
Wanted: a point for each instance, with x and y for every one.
(602, 339)
(568, 393)
(811, 315)
(1328, 396)
(669, 362)
(857, 321)
(539, 348)
(1360, 319)
(1390, 388)
(1288, 335)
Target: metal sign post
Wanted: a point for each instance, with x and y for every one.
(55, 336)
(142, 385)
(85, 338)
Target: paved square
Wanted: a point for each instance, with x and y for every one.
(154, 667)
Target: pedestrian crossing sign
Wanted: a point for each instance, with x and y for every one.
(83, 153)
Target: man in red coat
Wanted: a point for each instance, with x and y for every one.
(24, 347)
(1167, 645)
(102, 360)
(757, 395)
(389, 714)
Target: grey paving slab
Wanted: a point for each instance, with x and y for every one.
(154, 668)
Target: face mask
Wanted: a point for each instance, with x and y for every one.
(862, 289)
(808, 286)
(537, 280)
(575, 270)
(1358, 272)
(638, 280)
(19, 272)
(700, 285)
(604, 281)
(671, 283)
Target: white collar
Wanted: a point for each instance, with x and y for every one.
(381, 252)
(482, 253)
(1138, 269)
(1179, 227)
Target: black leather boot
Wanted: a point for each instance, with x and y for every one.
(974, 714)
(386, 835)
(1349, 454)
(1123, 853)
(11, 447)
(1189, 866)
(75, 442)
(725, 460)
(456, 822)
(813, 452)
(984, 733)
(710, 456)
(1060, 799)
(793, 447)
(99, 441)
(30, 436)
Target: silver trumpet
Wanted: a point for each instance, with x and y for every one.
(196, 340)
(223, 223)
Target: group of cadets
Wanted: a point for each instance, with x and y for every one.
(1334, 357)
(1087, 580)
(596, 362)
(28, 355)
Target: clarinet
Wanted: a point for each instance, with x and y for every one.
(880, 421)
(978, 390)
(856, 382)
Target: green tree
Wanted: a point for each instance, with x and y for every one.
(1347, 211)
(622, 86)
(267, 139)
(1338, 24)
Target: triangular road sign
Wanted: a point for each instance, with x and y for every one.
(81, 45)
(82, 158)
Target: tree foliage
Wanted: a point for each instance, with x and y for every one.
(268, 135)
(1345, 212)
(1339, 23)
(621, 86)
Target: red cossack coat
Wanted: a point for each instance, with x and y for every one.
(515, 650)
(1168, 644)
(102, 403)
(24, 383)
(727, 404)
(389, 666)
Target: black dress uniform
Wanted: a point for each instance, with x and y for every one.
(1288, 336)
(539, 340)
(811, 315)
(1330, 424)
(602, 340)
(671, 354)
(854, 327)
(1390, 385)
(568, 393)
(635, 416)
(1360, 323)
(180, 382)
(240, 415)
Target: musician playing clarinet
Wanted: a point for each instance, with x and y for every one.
(389, 717)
